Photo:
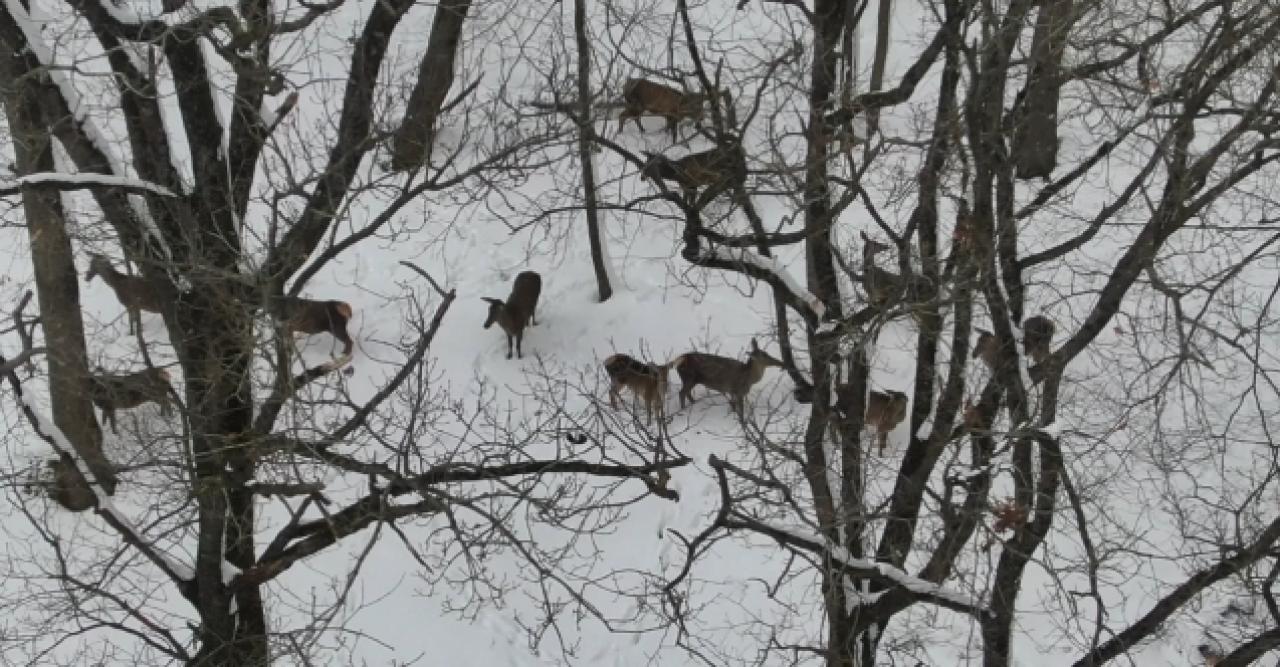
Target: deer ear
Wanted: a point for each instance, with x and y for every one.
(754, 346)
(864, 236)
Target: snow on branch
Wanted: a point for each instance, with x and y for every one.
(182, 574)
(63, 181)
(915, 586)
(771, 267)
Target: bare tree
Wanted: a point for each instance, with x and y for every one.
(228, 216)
(990, 482)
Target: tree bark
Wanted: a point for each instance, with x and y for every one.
(58, 293)
(1035, 142)
(586, 132)
(412, 145)
(883, 16)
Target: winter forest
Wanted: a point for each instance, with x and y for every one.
(639, 332)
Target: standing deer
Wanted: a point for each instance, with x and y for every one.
(298, 315)
(133, 292)
(648, 381)
(125, 392)
(885, 288)
(885, 410)
(728, 376)
(518, 310)
(642, 96)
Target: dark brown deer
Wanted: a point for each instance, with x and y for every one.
(641, 96)
(885, 410)
(519, 310)
(298, 315)
(125, 392)
(1037, 336)
(718, 168)
(133, 292)
(730, 377)
(647, 381)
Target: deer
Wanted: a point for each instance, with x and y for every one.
(718, 168)
(885, 410)
(1037, 335)
(125, 392)
(642, 95)
(728, 376)
(885, 288)
(648, 381)
(133, 292)
(987, 348)
(307, 316)
(66, 486)
(518, 311)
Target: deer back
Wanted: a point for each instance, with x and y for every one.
(309, 316)
(525, 292)
(129, 390)
(711, 167)
(722, 374)
(639, 376)
(646, 95)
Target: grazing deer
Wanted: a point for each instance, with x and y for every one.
(125, 392)
(518, 310)
(298, 315)
(718, 168)
(728, 376)
(1037, 335)
(642, 96)
(885, 288)
(648, 381)
(885, 410)
(133, 292)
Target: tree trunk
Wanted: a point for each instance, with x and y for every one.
(586, 132)
(412, 145)
(216, 364)
(59, 296)
(878, 63)
(1035, 143)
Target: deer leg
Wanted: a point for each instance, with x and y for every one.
(508, 346)
(614, 395)
(671, 127)
(109, 416)
(883, 440)
(686, 391)
(340, 333)
(519, 345)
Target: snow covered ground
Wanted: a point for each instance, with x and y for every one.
(398, 613)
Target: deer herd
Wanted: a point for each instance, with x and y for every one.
(734, 378)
